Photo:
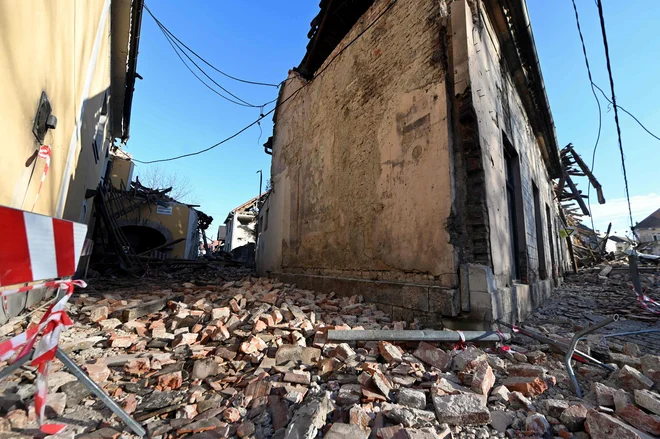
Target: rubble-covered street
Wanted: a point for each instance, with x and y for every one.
(217, 353)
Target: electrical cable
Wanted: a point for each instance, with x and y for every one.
(600, 113)
(261, 116)
(205, 61)
(616, 111)
(627, 112)
(200, 79)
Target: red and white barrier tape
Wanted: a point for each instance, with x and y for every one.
(644, 300)
(50, 327)
(44, 153)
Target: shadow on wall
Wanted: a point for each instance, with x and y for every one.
(245, 253)
(86, 167)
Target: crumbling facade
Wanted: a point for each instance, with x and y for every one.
(413, 158)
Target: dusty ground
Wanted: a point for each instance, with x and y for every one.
(220, 354)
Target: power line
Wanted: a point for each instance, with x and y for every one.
(627, 112)
(204, 60)
(600, 112)
(175, 45)
(262, 116)
(616, 109)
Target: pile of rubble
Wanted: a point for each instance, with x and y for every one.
(251, 359)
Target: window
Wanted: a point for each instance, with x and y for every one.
(511, 166)
(540, 241)
(552, 244)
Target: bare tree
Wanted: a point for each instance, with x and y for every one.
(156, 177)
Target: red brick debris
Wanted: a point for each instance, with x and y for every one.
(221, 354)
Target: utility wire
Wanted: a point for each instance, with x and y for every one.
(600, 112)
(627, 112)
(204, 60)
(261, 116)
(175, 46)
(616, 108)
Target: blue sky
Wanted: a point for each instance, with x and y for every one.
(175, 114)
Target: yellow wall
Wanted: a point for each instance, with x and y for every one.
(121, 173)
(49, 46)
(177, 223)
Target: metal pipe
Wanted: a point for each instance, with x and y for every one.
(92, 386)
(4, 373)
(621, 334)
(563, 347)
(574, 342)
(413, 335)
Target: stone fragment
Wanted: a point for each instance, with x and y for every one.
(102, 433)
(58, 379)
(382, 383)
(631, 349)
(604, 394)
(109, 324)
(185, 338)
(138, 366)
(349, 394)
(388, 432)
(536, 357)
(483, 378)
(500, 393)
(573, 417)
(204, 368)
(200, 426)
(526, 370)
(308, 356)
(279, 412)
(390, 352)
(500, 420)
(98, 372)
(422, 433)
(18, 419)
(650, 362)
(553, 407)
(411, 398)
(528, 386)
(357, 416)
(99, 313)
(310, 417)
(520, 401)
(433, 356)
(407, 416)
(297, 377)
(631, 379)
(467, 356)
(344, 431)
(640, 419)
(601, 425)
(253, 345)
(75, 392)
(245, 429)
(461, 409)
(55, 404)
(344, 351)
(648, 400)
(171, 380)
(231, 415)
(537, 424)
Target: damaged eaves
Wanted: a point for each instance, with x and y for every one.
(512, 24)
(329, 27)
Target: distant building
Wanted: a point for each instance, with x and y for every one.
(240, 226)
(616, 244)
(647, 232)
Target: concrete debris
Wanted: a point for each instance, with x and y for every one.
(216, 353)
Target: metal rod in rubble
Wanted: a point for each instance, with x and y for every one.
(413, 335)
(94, 388)
(574, 342)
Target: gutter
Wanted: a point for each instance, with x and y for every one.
(529, 46)
(136, 26)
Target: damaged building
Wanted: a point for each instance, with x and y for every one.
(413, 159)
